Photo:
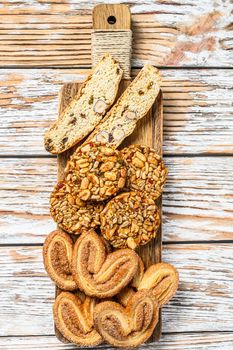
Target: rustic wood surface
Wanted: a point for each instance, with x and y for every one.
(172, 33)
(46, 43)
(181, 341)
(197, 200)
(204, 295)
(198, 111)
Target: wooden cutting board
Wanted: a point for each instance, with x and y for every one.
(149, 131)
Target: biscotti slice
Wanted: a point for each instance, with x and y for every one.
(87, 109)
(133, 104)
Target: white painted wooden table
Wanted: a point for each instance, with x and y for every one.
(44, 43)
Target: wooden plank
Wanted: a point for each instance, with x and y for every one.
(198, 111)
(190, 341)
(183, 33)
(149, 132)
(203, 302)
(197, 201)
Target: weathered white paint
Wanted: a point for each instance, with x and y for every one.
(204, 295)
(198, 195)
(183, 33)
(180, 341)
(198, 112)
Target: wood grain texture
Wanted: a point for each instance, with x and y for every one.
(166, 33)
(102, 12)
(198, 111)
(203, 302)
(197, 201)
(190, 341)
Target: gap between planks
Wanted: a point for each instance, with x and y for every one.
(167, 155)
(229, 241)
(19, 67)
(197, 109)
(197, 199)
(169, 341)
(204, 292)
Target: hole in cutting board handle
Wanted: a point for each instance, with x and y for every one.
(111, 19)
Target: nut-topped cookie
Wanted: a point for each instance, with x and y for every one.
(71, 213)
(145, 170)
(129, 220)
(96, 171)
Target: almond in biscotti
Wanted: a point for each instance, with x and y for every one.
(145, 170)
(132, 105)
(129, 220)
(95, 172)
(87, 108)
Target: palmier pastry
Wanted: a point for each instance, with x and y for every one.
(130, 326)
(162, 279)
(145, 170)
(74, 319)
(95, 171)
(129, 220)
(57, 254)
(98, 273)
(71, 213)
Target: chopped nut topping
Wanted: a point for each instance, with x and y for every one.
(72, 214)
(130, 219)
(96, 171)
(145, 170)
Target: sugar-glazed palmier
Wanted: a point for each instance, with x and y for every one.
(127, 327)
(161, 278)
(71, 213)
(100, 273)
(145, 170)
(57, 255)
(73, 317)
(96, 171)
(129, 220)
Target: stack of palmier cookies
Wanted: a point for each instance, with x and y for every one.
(105, 295)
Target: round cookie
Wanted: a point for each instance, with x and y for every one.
(145, 170)
(129, 220)
(96, 171)
(72, 214)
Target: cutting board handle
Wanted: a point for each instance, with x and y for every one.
(111, 17)
(112, 33)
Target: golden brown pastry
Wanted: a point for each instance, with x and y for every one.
(127, 293)
(162, 279)
(74, 319)
(139, 274)
(95, 172)
(129, 220)
(57, 254)
(145, 170)
(98, 273)
(71, 213)
(130, 326)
